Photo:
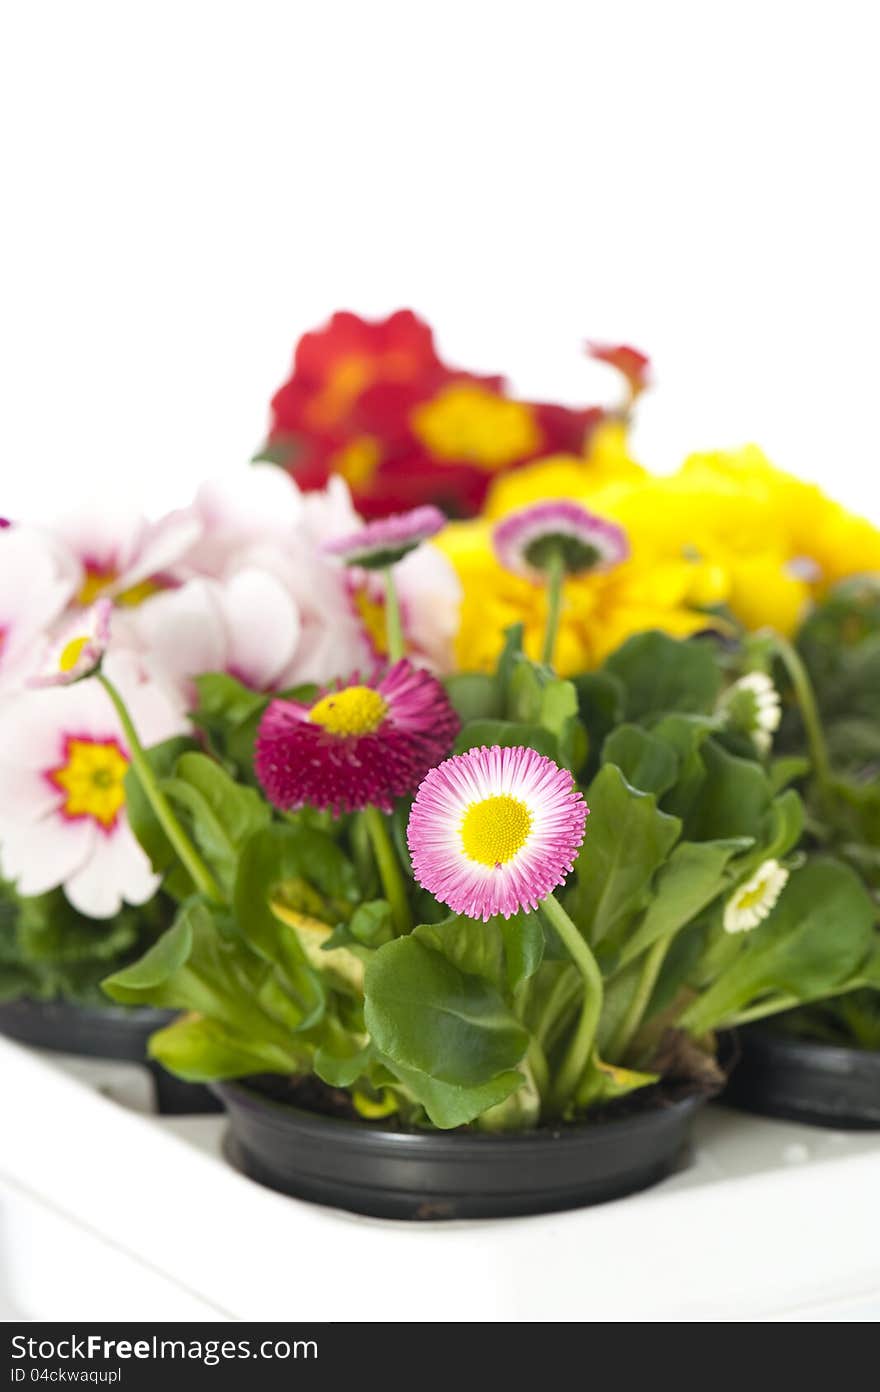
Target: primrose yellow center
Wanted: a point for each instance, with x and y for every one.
(92, 778)
(358, 461)
(97, 581)
(371, 612)
(94, 584)
(357, 710)
(494, 830)
(71, 654)
(467, 422)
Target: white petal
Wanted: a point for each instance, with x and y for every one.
(161, 547)
(26, 795)
(117, 871)
(39, 855)
(183, 629)
(263, 627)
(109, 536)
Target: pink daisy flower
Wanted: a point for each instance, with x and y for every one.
(355, 746)
(382, 543)
(495, 830)
(78, 649)
(530, 541)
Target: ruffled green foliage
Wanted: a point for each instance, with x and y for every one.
(47, 949)
(840, 648)
(298, 970)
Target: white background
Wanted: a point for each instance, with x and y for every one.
(187, 186)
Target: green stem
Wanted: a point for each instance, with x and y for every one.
(538, 1064)
(555, 578)
(561, 996)
(806, 698)
(581, 1043)
(760, 1012)
(199, 873)
(393, 620)
(389, 869)
(629, 1025)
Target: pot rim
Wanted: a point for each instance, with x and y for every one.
(286, 1115)
(113, 1010)
(783, 1043)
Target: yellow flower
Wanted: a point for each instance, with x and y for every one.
(726, 529)
(599, 611)
(568, 475)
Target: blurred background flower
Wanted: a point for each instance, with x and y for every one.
(373, 402)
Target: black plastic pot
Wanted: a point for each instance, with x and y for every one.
(109, 1032)
(451, 1174)
(779, 1075)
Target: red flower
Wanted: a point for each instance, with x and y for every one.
(632, 364)
(374, 403)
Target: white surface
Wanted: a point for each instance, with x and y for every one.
(770, 1221)
(188, 187)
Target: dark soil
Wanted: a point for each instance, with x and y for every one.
(690, 1074)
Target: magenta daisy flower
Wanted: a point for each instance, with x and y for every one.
(533, 540)
(383, 543)
(355, 746)
(495, 830)
(78, 649)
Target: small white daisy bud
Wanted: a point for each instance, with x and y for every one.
(750, 904)
(752, 707)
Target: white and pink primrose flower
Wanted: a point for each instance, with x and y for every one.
(63, 759)
(36, 584)
(259, 520)
(119, 554)
(247, 625)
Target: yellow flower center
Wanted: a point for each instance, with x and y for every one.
(495, 829)
(92, 778)
(467, 422)
(357, 710)
(71, 653)
(371, 612)
(751, 898)
(97, 581)
(358, 461)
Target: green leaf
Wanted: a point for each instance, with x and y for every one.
(201, 1050)
(628, 839)
(142, 820)
(222, 813)
(523, 936)
(447, 1105)
(221, 697)
(732, 801)
(782, 772)
(660, 674)
(161, 962)
(686, 735)
(603, 1082)
(506, 733)
(601, 699)
(370, 923)
(474, 695)
(203, 964)
(339, 1069)
(646, 762)
(817, 936)
(692, 877)
(425, 1014)
(474, 947)
(301, 868)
